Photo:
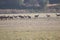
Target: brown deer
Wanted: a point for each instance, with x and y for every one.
(58, 14)
(21, 16)
(48, 15)
(29, 16)
(36, 16)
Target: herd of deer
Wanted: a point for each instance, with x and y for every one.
(22, 17)
(12, 17)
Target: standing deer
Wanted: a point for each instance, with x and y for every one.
(21, 16)
(29, 16)
(48, 15)
(36, 16)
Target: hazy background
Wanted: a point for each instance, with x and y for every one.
(32, 5)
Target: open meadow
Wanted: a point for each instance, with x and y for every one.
(30, 29)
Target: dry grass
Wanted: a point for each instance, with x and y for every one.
(28, 35)
(30, 29)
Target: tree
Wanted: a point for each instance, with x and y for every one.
(43, 3)
(20, 2)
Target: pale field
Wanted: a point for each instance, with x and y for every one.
(30, 29)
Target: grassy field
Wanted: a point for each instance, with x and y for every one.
(30, 29)
(29, 35)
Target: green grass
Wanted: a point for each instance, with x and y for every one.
(29, 35)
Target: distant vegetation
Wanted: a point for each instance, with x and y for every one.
(16, 4)
(29, 5)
